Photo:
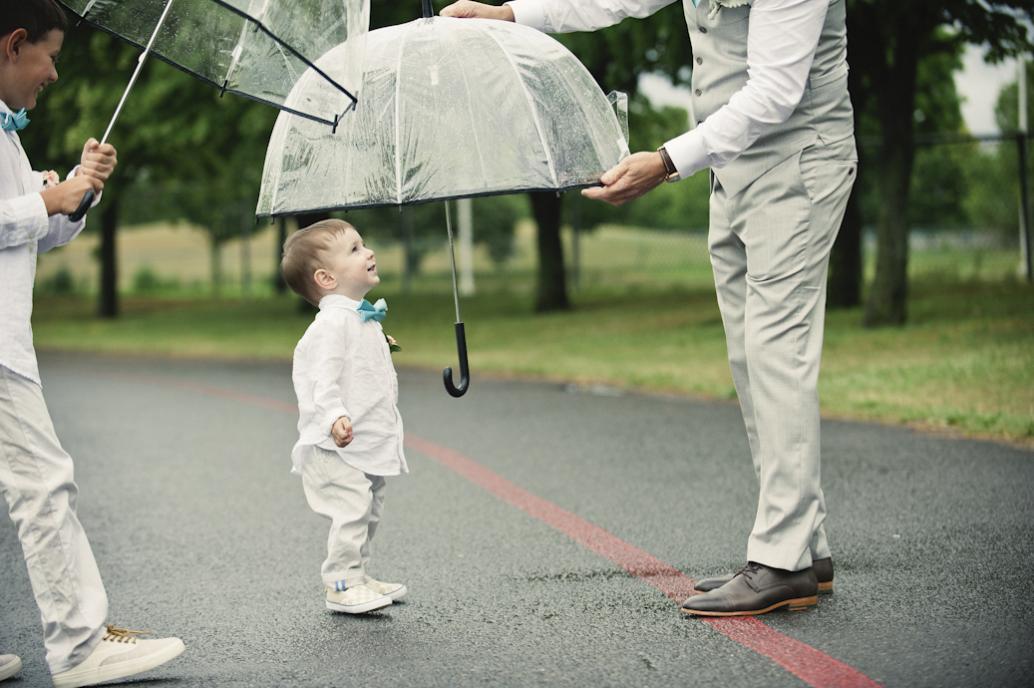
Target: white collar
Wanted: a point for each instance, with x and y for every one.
(5, 108)
(338, 301)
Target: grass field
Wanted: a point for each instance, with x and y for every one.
(645, 319)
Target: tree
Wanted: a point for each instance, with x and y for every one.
(892, 40)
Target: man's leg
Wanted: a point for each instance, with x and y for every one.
(791, 218)
(36, 477)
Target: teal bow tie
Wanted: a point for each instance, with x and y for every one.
(377, 311)
(14, 122)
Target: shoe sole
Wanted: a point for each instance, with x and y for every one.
(398, 594)
(795, 605)
(132, 667)
(824, 588)
(11, 669)
(379, 603)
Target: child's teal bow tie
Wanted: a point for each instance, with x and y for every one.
(14, 121)
(377, 311)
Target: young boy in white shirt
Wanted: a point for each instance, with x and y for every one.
(36, 474)
(350, 430)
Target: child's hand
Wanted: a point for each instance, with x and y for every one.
(66, 196)
(98, 161)
(341, 431)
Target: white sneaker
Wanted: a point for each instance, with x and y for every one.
(396, 591)
(9, 666)
(119, 654)
(356, 600)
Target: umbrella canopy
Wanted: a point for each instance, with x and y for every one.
(451, 108)
(255, 48)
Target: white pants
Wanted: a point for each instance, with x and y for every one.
(36, 478)
(769, 249)
(353, 501)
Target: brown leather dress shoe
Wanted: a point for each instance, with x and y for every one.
(823, 573)
(757, 589)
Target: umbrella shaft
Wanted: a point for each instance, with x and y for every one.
(452, 257)
(136, 72)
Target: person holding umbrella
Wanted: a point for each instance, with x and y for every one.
(36, 474)
(776, 128)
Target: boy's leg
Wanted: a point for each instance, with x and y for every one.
(377, 484)
(345, 496)
(36, 477)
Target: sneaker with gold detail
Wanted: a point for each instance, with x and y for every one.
(120, 653)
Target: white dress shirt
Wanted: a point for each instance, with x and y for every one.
(25, 229)
(781, 42)
(342, 367)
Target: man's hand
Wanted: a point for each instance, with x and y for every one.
(66, 196)
(466, 9)
(629, 179)
(98, 161)
(341, 431)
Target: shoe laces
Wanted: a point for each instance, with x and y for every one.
(116, 634)
(748, 572)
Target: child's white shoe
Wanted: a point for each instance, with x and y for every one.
(358, 599)
(119, 654)
(9, 666)
(396, 591)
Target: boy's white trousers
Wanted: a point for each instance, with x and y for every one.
(36, 478)
(353, 501)
(770, 247)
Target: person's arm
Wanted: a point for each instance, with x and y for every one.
(781, 41)
(23, 219)
(328, 350)
(94, 168)
(558, 16)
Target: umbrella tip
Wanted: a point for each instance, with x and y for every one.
(428, 9)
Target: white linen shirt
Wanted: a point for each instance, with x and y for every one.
(781, 43)
(25, 230)
(342, 367)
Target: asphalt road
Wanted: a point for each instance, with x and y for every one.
(537, 533)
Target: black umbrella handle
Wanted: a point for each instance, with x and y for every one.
(427, 9)
(84, 205)
(461, 350)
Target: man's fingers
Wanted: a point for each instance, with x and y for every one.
(615, 173)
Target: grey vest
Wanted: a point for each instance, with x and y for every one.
(823, 116)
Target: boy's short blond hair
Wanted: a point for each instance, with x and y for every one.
(303, 256)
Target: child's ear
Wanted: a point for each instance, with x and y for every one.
(323, 279)
(11, 43)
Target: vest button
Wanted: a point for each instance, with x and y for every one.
(698, 92)
(700, 60)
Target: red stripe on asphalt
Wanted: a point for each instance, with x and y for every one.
(812, 666)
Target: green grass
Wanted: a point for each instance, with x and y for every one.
(964, 363)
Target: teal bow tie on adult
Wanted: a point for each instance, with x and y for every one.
(14, 122)
(377, 311)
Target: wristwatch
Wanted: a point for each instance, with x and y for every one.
(669, 166)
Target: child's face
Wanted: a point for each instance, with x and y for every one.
(28, 68)
(350, 267)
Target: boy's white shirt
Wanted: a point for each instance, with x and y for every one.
(25, 230)
(342, 367)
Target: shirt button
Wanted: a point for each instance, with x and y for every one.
(700, 60)
(703, 29)
(698, 92)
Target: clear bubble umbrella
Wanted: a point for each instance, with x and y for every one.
(451, 108)
(255, 48)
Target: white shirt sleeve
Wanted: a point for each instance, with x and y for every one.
(23, 219)
(564, 16)
(781, 42)
(328, 353)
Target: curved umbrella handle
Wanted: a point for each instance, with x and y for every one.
(84, 205)
(461, 350)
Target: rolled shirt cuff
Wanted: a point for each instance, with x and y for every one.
(688, 153)
(32, 211)
(529, 13)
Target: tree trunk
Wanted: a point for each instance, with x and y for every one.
(551, 289)
(887, 300)
(215, 254)
(279, 285)
(845, 263)
(108, 306)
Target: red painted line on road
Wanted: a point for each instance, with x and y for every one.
(807, 663)
(812, 666)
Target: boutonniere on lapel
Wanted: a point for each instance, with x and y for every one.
(393, 345)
